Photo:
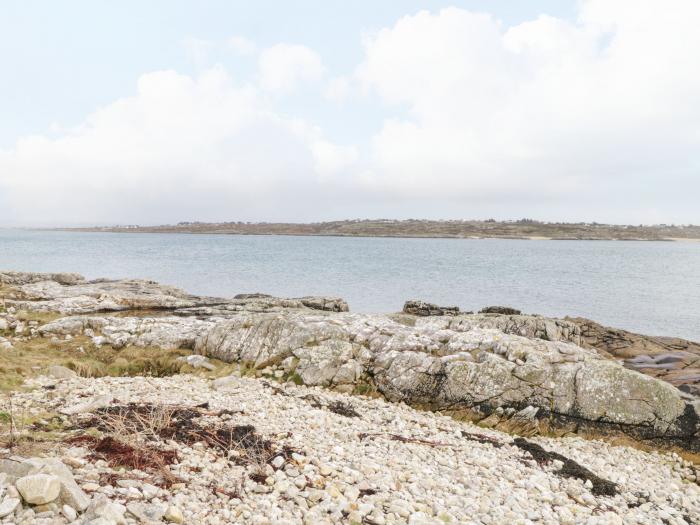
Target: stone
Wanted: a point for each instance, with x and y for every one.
(197, 361)
(71, 294)
(83, 297)
(70, 494)
(101, 508)
(88, 406)
(8, 506)
(149, 491)
(472, 364)
(146, 512)
(103, 521)
(38, 489)
(69, 512)
(393, 464)
(167, 332)
(173, 515)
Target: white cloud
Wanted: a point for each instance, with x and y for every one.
(286, 67)
(242, 45)
(181, 147)
(331, 159)
(547, 108)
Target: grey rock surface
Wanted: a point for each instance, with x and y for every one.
(21, 278)
(457, 363)
(71, 294)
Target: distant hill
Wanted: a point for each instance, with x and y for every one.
(522, 229)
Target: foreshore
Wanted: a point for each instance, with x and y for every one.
(138, 402)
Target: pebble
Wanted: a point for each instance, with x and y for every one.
(345, 470)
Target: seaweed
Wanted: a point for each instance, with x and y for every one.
(569, 469)
(240, 444)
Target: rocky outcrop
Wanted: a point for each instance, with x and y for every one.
(165, 332)
(521, 369)
(424, 309)
(21, 278)
(71, 294)
(530, 326)
(452, 364)
(674, 360)
(624, 344)
(104, 296)
(503, 310)
(328, 304)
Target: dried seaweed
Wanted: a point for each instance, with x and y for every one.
(570, 469)
(241, 444)
(342, 408)
(482, 438)
(119, 454)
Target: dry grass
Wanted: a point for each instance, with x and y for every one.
(26, 433)
(5, 292)
(31, 358)
(134, 425)
(40, 317)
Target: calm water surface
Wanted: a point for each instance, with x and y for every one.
(649, 287)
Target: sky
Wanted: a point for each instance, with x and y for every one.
(222, 110)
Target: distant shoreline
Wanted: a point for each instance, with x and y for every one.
(363, 236)
(420, 229)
